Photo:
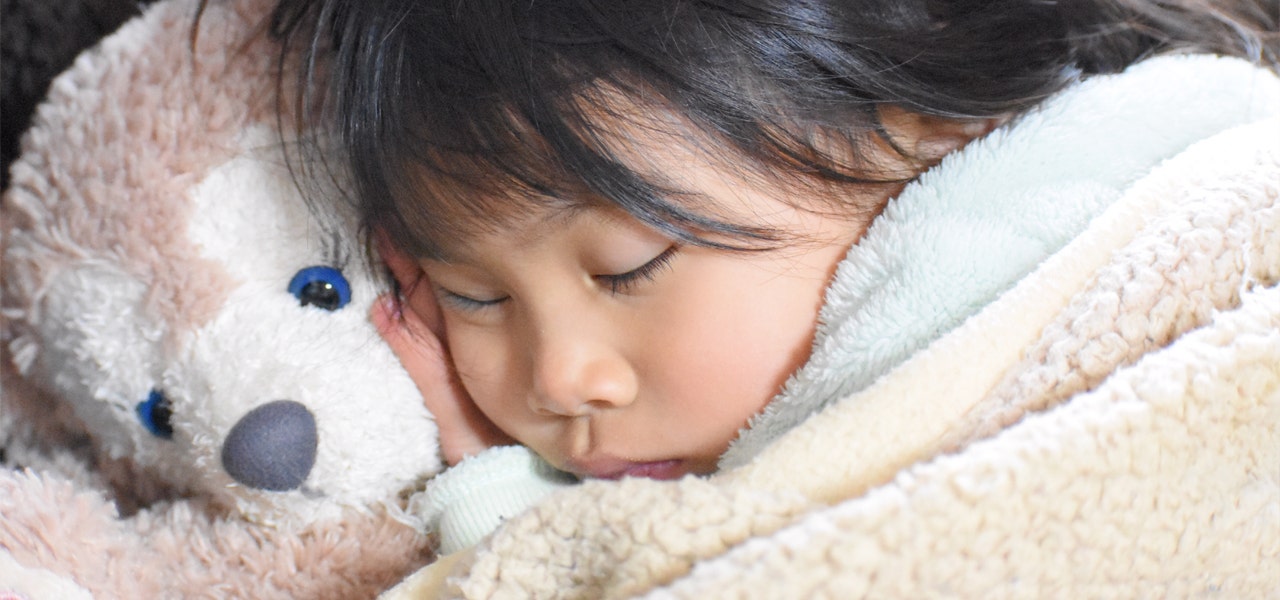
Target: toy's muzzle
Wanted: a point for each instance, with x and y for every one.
(272, 447)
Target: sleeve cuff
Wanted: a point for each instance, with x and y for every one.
(471, 499)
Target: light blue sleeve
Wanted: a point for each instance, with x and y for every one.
(472, 498)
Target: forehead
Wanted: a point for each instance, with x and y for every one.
(524, 227)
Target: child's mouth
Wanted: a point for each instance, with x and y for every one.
(617, 469)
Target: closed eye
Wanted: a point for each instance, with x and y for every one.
(624, 282)
(466, 303)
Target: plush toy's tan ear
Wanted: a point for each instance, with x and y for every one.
(39, 43)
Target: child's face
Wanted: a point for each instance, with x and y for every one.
(610, 350)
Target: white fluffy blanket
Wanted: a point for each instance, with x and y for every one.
(1106, 426)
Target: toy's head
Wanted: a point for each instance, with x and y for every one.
(204, 316)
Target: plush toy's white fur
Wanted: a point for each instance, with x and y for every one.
(151, 235)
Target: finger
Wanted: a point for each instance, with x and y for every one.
(415, 287)
(464, 429)
(411, 340)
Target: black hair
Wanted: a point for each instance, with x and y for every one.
(480, 108)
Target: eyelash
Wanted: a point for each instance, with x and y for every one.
(467, 304)
(623, 282)
(616, 284)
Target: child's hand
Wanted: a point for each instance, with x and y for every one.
(412, 328)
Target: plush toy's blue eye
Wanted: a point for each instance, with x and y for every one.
(322, 287)
(155, 414)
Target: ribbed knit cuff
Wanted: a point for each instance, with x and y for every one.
(471, 499)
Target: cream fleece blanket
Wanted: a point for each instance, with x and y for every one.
(1105, 427)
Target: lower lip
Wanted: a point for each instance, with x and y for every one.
(663, 469)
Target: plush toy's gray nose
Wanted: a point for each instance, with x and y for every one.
(272, 447)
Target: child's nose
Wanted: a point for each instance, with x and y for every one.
(574, 373)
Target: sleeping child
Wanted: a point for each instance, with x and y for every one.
(646, 240)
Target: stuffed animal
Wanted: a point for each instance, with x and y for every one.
(195, 403)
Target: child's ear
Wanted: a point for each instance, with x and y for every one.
(927, 139)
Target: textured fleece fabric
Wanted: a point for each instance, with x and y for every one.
(1100, 421)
